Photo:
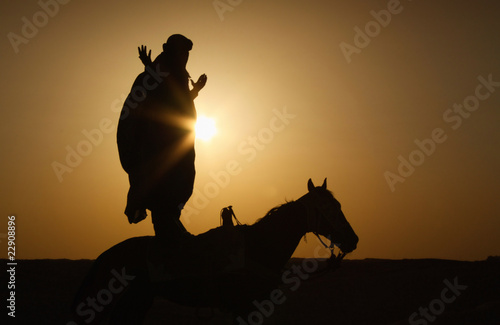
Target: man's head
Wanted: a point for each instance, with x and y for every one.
(178, 42)
(178, 47)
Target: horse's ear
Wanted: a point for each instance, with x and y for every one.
(310, 185)
(324, 185)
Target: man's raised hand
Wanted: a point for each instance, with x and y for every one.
(202, 80)
(145, 58)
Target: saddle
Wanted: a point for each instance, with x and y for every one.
(226, 217)
(218, 251)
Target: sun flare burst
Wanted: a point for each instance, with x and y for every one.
(205, 128)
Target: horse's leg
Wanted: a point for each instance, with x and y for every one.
(134, 303)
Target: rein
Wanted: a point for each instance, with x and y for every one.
(334, 261)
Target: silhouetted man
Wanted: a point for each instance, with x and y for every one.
(156, 138)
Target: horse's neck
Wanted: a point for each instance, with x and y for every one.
(272, 241)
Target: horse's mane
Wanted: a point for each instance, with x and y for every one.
(282, 208)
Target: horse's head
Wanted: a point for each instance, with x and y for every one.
(325, 217)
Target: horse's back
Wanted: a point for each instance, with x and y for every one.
(110, 276)
(202, 266)
(207, 254)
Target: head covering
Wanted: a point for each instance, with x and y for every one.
(178, 43)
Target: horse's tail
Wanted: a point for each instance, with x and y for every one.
(113, 274)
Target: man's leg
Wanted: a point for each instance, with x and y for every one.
(167, 225)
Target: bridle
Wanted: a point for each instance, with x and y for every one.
(311, 207)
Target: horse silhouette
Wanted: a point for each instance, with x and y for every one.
(226, 267)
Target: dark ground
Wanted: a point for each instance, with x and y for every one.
(370, 291)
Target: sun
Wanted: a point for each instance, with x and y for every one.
(205, 128)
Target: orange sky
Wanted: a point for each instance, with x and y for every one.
(402, 119)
